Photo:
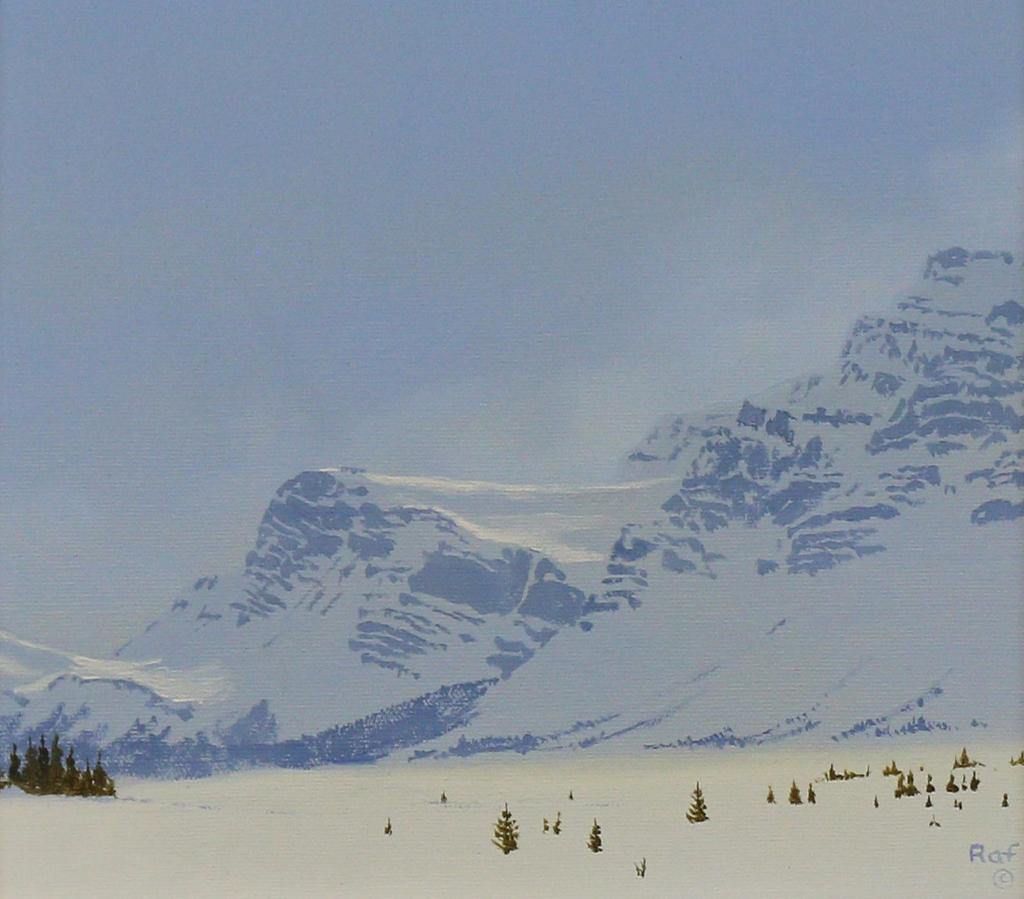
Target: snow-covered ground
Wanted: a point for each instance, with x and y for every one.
(320, 833)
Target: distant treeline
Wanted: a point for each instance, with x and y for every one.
(45, 771)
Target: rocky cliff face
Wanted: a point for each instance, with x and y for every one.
(926, 400)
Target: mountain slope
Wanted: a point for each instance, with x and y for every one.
(840, 555)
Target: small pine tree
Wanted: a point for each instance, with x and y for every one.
(876, 802)
(910, 789)
(55, 772)
(890, 770)
(556, 826)
(71, 774)
(570, 792)
(929, 787)
(30, 771)
(1006, 801)
(547, 826)
(387, 828)
(14, 765)
(594, 840)
(641, 869)
(43, 770)
(812, 797)
(831, 773)
(506, 832)
(794, 795)
(951, 786)
(102, 784)
(771, 796)
(698, 811)
(933, 822)
(901, 786)
(928, 802)
(1019, 760)
(964, 760)
(444, 799)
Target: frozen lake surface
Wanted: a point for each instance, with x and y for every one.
(320, 832)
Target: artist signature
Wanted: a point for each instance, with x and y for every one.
(1002, 878)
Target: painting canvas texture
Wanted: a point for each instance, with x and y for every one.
(522, 450)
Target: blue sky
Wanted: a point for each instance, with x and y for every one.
(482, 240)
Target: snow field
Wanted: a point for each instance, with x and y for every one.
(320, 833)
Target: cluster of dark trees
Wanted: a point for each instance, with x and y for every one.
(847, 774)
(905, 786)
(45, 770)
(951, 786)
(794, 794)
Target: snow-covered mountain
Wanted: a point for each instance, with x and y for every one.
(837, 558)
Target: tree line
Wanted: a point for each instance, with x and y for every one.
(45, 770)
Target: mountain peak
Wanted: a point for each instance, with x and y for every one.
(948, 265)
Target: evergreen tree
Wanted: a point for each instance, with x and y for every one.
(30, 774)
(387, 828)
(641, 869)
(910, 789)
(890, 770)
(831, 773)
(570, 792)
(928, 802)
(1019, 760)
(698, 811)
(951, 787)
(44, 763)
(547, 826)
(506, 832)
(963, 760)
(88, 785)
(771, 796)
(933, 822)
(901, 786)
(556, 827)
(55, 774)
(71, 775)
(975, 783)
(14, 766)
(812, 797)
(444, 799)
(1006, 801)
(102, 784)
(876, 802)
(594, 841)
(929, 787)
(794, 795)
